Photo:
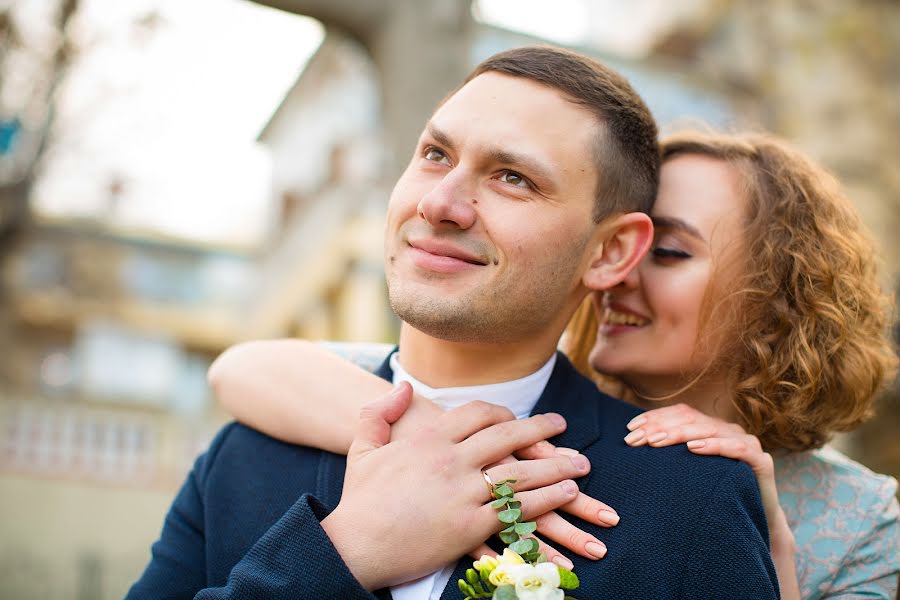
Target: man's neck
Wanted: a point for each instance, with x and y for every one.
(440, 363)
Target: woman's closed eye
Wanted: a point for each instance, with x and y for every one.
(663, 253)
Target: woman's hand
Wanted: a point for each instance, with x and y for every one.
(554, 527)
(703, 434)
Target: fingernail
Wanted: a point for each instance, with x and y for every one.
(556, 419)
(567, 451)
(581, 463)
(608, 517)
(636, 422)
(595, 549)
(569, 488)
(696, 444)
(634, 437)
(563, 562)
(657, 437)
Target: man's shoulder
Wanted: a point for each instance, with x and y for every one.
(238, 450)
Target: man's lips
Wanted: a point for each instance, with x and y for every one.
(443, 250)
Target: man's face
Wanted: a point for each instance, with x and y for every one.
(489, 229)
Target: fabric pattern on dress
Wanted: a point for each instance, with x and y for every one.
(846, 521)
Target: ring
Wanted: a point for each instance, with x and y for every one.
(489, 482)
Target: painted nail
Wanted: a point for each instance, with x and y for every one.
(657, 437)
(581, 463)
(634, 437)
(563, 562)
(569, 488)
(636, 422)
(693, 444)
(608, 517)
(595, 549)
(556, 419)
(567, 451)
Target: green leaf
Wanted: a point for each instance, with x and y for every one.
(506, 481)
(499, 502)
(542, 558)
(567, 579)
(515, 504)
(503, 490)
(508, 537)
(509, 516)
(526, 528)
(505, 592)
(526, 546)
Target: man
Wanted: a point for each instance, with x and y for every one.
(529, 186)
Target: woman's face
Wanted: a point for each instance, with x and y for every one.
(649, 323)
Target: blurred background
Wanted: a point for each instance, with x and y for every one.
(176, 177)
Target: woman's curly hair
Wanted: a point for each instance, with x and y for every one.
(807, 324)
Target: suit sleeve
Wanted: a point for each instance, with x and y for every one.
(293, 559)
(731, 544)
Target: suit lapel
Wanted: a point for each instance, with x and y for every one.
(575, 398)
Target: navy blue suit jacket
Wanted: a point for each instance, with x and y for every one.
(245, 524)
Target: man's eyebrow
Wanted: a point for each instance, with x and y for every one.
(534, 168)
(439, 136)
(678, 224)
(529, 164)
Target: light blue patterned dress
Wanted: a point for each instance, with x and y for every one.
(846, 521)
(845, 518)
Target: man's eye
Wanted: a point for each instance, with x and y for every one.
(513, 178)
(669, 253)
(435, 155)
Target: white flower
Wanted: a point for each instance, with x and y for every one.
(536, 582)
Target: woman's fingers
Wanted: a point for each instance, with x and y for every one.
(592, 510)
(554, 527)
(482, 550)
(675, 425)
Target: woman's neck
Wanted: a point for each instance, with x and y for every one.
(709, 395)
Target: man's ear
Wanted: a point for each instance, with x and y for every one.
(626, 239)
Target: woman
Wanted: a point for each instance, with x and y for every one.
(754, 328)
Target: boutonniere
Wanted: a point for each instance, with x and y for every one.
(522, 572)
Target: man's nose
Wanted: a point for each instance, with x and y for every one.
(451, 203)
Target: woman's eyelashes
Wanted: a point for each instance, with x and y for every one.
(661, 252)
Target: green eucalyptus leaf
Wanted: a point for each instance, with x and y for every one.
(509, 537)
(509, 516)
(499, 502)
(526, 546)
(567, 579)
(526, 528)
(515, 504)
(542, 558)
(504, 491)
(506, 481)
(505, 592)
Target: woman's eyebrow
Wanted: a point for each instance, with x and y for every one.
(678, 224)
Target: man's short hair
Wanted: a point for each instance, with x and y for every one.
(626, 150)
